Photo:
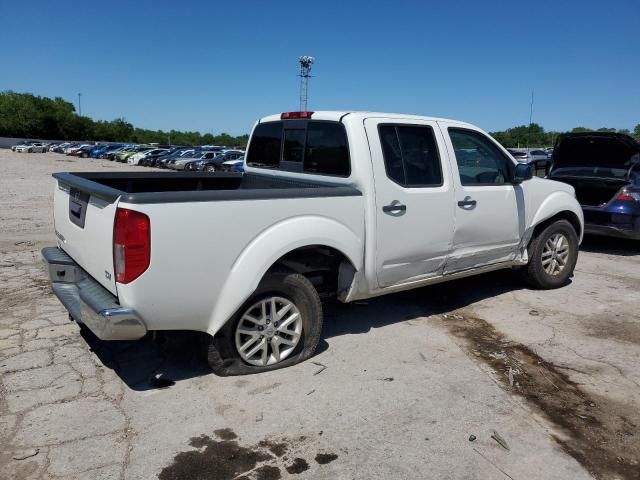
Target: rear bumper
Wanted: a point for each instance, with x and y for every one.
(612, 224)
(612, 231)
(88, 302)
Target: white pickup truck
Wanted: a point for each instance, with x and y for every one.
(348, 205)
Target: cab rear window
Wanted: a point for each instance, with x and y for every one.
(305, 146)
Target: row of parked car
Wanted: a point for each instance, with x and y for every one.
(207, 158)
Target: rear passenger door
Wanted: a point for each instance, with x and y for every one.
(414, 200)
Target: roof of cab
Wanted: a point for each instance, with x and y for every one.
(337, 116)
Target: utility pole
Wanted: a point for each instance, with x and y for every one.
(79, 104)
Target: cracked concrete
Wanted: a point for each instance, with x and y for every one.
(94, 409)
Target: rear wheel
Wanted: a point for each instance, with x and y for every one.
(553, 253)
(279, 326)
(210, 168)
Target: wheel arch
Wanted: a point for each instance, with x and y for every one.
(559, 206)
(284, 245)
(568, 215)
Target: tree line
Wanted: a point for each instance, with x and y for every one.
(534, 135)
(25, 115)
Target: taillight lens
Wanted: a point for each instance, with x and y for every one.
(628, 196)
(131, 244)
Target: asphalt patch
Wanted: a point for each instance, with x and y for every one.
(599, 433)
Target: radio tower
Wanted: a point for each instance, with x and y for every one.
(305, 75)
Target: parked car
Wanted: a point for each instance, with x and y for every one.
(112, 154)
(214, 163)
(21, 144)
(187, 159)
(344, 205)
(73, 148)
(165, 161)
(236, 165)
(101, 150)
(84, 151)
(31, 147)
(135, 159)
(152, 159)
(529, 155)
(604, 170)
(124, 155)
(60, 148)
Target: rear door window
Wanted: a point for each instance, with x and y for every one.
(411, 156)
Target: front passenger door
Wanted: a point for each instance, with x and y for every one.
(489, 209)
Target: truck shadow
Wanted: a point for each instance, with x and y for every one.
(611, 246)
(361, 317)
(146, 365)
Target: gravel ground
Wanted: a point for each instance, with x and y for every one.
(475, 379)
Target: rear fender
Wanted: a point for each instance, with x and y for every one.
(271, 245)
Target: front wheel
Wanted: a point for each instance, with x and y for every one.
(210, 168)
(553, 253)
(280, 325)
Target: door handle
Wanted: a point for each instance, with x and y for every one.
(394, 207)
(467, 202)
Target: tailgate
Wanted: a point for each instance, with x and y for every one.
(84, 226)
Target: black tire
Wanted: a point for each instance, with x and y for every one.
(210, 168)
(534, 273)
(221, 351)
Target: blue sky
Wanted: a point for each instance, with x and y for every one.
(217, 66)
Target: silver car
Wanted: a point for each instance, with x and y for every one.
(34, 147)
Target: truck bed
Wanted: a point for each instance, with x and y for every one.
(168, 187)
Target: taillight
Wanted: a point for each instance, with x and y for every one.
(627, 196)
(131, 244)
(292, 115)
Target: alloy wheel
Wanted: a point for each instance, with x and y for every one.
(555, 254)
(268, 331)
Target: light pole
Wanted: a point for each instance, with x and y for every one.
(79, 104)
(305, 75)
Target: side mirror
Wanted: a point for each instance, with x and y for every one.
(522, 172)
